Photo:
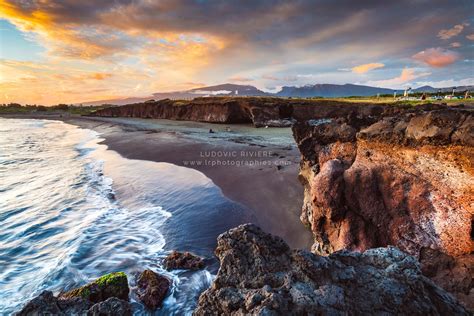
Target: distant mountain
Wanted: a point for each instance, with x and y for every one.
(429, 89)
(332, 91)
(226, 89)
(317, 90)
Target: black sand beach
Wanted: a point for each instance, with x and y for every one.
(246, 173)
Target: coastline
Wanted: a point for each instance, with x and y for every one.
(272, 193)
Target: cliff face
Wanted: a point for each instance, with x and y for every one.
(260, 111)
(405, 180)
(260, 275)
(220, 111)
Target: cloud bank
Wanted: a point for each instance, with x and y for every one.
(152, 46)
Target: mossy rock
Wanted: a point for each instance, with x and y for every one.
(110, 285)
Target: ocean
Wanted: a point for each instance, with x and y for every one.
(71, 210)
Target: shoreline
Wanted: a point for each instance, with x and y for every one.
(272, 193)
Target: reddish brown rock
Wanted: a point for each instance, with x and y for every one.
(406, 180)
(152, 289)
(183, 260)
(260, 275)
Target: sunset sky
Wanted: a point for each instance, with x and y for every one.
(76, 51)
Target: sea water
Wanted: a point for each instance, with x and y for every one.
(71, 210)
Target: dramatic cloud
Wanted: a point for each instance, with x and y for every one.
(139, 47)
(470, 37)
(454, 31)
(362, 69)
(437, 57)
(455, 45)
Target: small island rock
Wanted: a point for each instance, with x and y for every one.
(183, 260)
(152, 289)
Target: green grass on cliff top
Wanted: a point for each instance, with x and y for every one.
(84, 110)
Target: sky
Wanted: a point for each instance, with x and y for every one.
(73, 51)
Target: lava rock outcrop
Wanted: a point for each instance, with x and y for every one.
(404, 179)
(261, 275)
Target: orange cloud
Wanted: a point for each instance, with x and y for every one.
(70, 39)
(99, 76)
(59, 39)
(47, 84)
(470, 37)
(180, 56)
(407, 75)
(454, 31)
(436, 57)
(361, 69)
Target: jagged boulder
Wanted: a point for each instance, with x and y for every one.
(152, 288)
(47, 304)
(110, 285)
(261, 275)
(183, 260)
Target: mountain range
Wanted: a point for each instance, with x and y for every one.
(316, 90)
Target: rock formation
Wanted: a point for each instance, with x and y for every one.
(260, 275)
(107, 286)
(183, 260)
(402, 178)
(47, 304)
(261, 111)
(152, 289)
(107, 295)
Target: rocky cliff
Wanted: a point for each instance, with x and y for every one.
(394, 177)
(260, 111)
(260, 275)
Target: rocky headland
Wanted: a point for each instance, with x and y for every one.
(260, 111)
(374, 175)
(402, 178)
(261, 275)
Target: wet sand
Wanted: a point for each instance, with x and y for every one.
(272, 193)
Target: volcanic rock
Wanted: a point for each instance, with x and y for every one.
(183, 260)
(405, 180)
(110, 285)
(47, 304)
(260, 275)
(152, 289)
(261, 111)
